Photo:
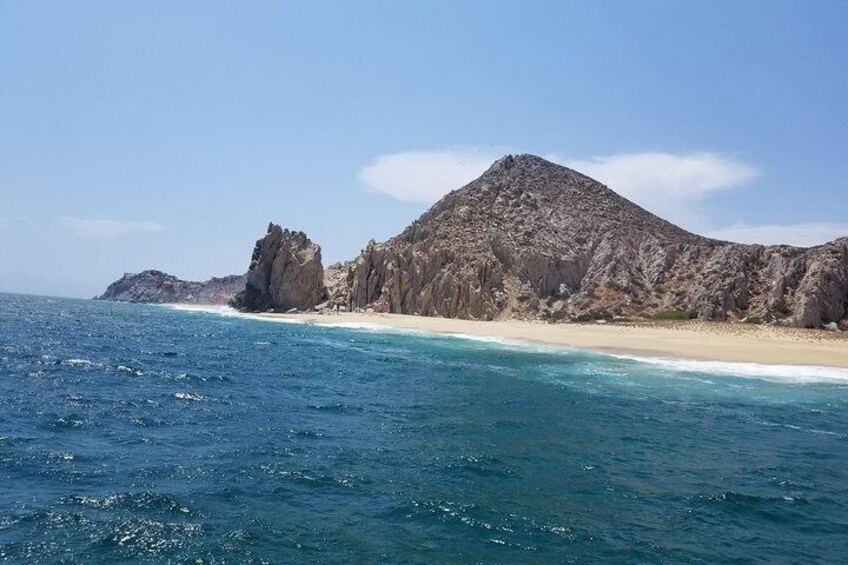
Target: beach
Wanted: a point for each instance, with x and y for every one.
(708, 341)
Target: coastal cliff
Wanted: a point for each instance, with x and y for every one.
(531, 239)
(285, 273)
(156, 287)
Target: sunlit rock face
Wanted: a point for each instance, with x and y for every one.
(285, 273)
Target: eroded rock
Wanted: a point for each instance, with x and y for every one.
(285, 274)
(156, 287)
(532, 239)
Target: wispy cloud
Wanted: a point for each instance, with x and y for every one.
(676, 175)
(802, 235)
(425, 176)
(109, 228)
(666, 183)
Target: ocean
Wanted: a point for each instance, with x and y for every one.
(139, 433)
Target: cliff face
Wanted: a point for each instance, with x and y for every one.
(532, 239)
(285, 272)
(161, 288)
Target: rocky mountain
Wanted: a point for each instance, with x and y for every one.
(161, 288)
(532, 239)
(285, 273)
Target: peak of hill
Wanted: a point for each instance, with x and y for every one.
(547, 199)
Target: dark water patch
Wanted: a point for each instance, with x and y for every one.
(483, 466)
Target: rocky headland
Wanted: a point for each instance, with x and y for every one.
(156, 287)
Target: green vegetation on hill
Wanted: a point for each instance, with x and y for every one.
(675, 315)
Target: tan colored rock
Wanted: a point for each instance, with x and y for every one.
(285, 274)
(532, 239)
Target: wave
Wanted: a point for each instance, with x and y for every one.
(189, 396)
(229, 312)
(794, 374)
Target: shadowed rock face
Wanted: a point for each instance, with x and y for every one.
(157, 287)
(285, 272)
(532, 239)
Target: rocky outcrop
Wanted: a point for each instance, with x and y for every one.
(157, 287)
(285, 273)
(532, 239)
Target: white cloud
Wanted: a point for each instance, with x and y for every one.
(802, 235)
(425, 176)
(655, 174)
(671, 185)
(109, 228)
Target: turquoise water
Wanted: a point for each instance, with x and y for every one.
(145, 433)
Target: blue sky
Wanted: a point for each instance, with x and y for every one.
(167, 134)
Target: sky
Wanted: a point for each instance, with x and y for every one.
(167, 134)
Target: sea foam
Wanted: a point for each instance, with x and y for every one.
(798, 374)
(229, 312)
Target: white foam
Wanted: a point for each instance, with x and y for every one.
(189, 396)
(800, 374)
(384, 328)
(366, 326)
(229, 312)
(78, 362)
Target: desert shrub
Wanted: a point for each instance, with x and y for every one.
(675, 315)
(594, 315)
(782, 311)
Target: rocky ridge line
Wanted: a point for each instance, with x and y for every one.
(156, 287)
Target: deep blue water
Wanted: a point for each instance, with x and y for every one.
(143, 433)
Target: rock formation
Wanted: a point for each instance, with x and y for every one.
(285, 273)
(532, 239)
(161, 288)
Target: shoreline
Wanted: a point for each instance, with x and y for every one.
(693, 340)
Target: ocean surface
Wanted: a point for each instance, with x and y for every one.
(134, 433)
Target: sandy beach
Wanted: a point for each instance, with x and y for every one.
(712, 341)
